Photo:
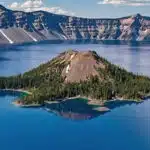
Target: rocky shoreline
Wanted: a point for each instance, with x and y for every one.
(20, 104)
(101, 105)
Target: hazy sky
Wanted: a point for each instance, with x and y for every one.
(84, 8)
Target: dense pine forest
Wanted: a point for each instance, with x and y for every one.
(46, 82)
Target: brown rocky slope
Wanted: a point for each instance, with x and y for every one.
(80, 66)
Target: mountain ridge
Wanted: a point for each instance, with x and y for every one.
(26, 27)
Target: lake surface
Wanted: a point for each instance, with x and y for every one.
(126, 127)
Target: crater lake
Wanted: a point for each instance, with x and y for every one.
(125, 127)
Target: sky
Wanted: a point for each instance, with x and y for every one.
(83, 8)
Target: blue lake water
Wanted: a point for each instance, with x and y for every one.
(126, 127)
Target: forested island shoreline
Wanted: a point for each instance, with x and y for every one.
(77, 74)
(101, 106)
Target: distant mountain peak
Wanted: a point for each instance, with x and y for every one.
(137, 16)
(2, 7)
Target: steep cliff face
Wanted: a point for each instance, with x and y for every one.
(129, 28)
(20, 27)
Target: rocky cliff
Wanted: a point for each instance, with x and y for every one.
(20, 27)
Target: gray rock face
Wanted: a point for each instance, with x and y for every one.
(21, 27)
